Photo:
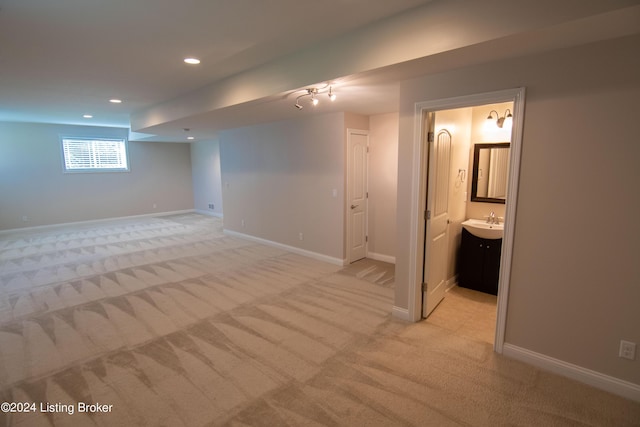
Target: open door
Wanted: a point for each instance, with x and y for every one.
(436, 217)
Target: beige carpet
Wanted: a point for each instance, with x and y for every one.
(168, 322)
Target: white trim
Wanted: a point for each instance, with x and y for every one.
(510, 218)
(515, 95)
(209, 213)
(94, 221)
(400, 313)
(304, 252)
(452, 282)
(380, 257)
(417, 199)
(608, 383)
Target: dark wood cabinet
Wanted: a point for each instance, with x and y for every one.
(479, 263)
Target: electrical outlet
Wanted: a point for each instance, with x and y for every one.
(300, 236)
(211, 206)
(627, 350)
(242, 223)
(25, 218)
(155, 206)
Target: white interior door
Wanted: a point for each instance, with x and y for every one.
(437, 222)
(357, 143)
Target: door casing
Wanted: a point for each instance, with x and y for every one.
(418, 191)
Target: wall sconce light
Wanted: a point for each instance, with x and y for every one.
(500, 120)
(313, 92)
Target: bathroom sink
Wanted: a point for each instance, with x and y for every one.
(480, 228)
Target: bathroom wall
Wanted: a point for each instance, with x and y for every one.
(485, 131)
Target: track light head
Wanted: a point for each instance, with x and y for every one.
(312, 92)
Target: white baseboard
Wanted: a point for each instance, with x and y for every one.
(401, 313)
(209, 213)
(613, 385)
(380, 257)
(94, 221)
(299, 251)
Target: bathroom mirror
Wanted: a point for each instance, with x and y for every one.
(490, 172)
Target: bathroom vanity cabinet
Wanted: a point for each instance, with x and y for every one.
(479, 263)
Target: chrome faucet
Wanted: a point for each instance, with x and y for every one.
(491, 219)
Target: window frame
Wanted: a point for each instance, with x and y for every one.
(121, 140)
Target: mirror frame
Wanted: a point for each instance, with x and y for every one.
(474, 180)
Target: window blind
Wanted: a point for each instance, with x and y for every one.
(81, 154)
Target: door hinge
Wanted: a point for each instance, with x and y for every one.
(366, 238)
(367, 194)
(427, 215)
(424, 287)
(367, 149)
(430, 137)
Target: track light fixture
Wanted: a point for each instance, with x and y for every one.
(500, 120)
(313, 92)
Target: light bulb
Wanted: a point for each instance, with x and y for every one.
(332, 96)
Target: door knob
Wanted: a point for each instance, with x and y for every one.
(354, 206)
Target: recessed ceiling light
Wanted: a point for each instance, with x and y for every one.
(192, 61)
(87, 116)
(191, 137)
(115, 101)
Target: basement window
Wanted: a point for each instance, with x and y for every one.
(94, 155)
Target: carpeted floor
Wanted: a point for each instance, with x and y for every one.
(168, 322)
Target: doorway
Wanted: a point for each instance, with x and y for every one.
(419, 297)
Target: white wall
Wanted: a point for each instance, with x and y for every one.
(207, 181)
(574, 287)
(32, 183)
(383, 182)
(279, 179)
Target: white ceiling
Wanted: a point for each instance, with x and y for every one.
(61, 59)
(64, 58)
